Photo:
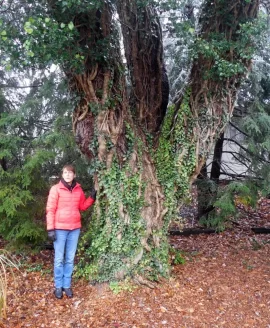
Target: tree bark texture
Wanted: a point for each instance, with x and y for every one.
(101, 86)
(149, 96)
(142, 37)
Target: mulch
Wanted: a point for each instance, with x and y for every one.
(224, 282)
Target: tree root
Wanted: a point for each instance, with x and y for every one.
(142, 281)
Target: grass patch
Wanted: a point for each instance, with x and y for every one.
(6, 263)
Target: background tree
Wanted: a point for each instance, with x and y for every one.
(251, 121)
(248, 149)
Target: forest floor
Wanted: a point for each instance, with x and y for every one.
(224, 282)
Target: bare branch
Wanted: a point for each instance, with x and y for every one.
(237, 128)
(240, 176)
(236, 154)
(19, 87)
(246, 150)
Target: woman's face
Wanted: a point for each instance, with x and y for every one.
(68, 176)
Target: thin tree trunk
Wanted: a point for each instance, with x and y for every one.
(202, 192)
(3, 163)
(217, 157)
(207, 186)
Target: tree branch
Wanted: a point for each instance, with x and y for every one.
(238, 176)
(234, 153)
(19, 87)
(236, 128)
(234, 172)
(246, 150)
(243, 163)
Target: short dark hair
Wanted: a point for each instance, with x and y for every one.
(69, 167)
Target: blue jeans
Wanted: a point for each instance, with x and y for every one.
(65, 248)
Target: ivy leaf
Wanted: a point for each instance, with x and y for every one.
(26, 44)
(71, 26)
(31, 20)
(3, 35)
(30, 53)
(27, 27)
(29, 30)
(62, 25)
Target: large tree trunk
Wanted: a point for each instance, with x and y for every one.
(118, 132)
(112, 129)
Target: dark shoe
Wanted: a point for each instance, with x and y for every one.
(68, 292)
(58, 293)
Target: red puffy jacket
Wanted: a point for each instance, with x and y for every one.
(64, 206)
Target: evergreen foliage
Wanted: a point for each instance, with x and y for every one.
(36, 141)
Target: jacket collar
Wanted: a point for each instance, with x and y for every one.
(67, 186)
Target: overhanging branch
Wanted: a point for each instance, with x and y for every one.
(19, 87)
(237, 128)
(246, 150)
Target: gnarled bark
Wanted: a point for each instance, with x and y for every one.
(142, 37)
(102, 108)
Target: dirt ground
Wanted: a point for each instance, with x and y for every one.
(224, 282)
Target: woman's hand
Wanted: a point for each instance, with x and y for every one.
(93, 194)
(52, 235)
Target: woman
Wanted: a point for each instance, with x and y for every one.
(66, 200)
